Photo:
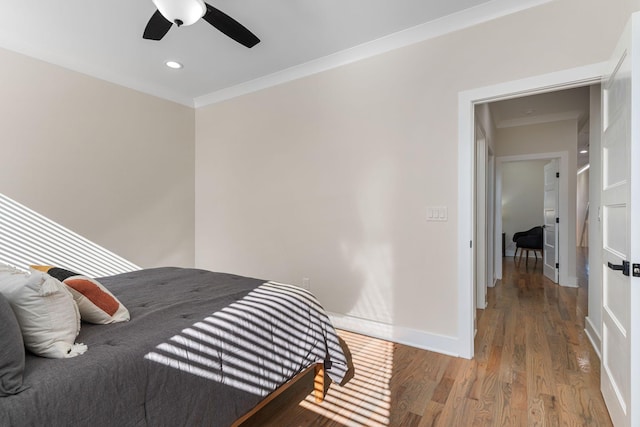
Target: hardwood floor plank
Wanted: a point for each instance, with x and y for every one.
(519, 396)
(432, 415)
(442, 391)
(508, 366)
(551, 413)
(560, 359)
(454, 406)
(539, 373)
(410, 420)
(535, 412)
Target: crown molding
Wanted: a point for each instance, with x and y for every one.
(539, 119)
(464, 19)
(488, 11)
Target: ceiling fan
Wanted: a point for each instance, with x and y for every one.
(187, 12)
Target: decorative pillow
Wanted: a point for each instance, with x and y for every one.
(45, 310)
(11, 351)
(95, 302)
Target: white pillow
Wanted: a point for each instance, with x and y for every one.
(48, 316)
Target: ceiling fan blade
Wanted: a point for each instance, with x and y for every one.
(230, 26)
(157, 27)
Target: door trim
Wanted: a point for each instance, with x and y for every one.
(552, 271)
(581, 76)
(481, 216)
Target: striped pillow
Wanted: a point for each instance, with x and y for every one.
(95, 302)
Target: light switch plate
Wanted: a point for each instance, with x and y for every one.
(437, 213)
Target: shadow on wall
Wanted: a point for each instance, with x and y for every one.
(369, 254)
(27, 238)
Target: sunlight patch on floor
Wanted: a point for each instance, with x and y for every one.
(366, 399)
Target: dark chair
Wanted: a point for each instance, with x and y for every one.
(530, 240)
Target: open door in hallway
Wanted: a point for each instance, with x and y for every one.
(620, 197)
(550, 246)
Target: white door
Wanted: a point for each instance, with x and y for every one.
(620, 198)
(551, 225)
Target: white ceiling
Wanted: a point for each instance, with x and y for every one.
(103, 38)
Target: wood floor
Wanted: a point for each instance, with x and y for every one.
(533, 366)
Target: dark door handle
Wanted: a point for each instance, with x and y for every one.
(624, 267)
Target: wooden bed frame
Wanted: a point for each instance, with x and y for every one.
(318, 391)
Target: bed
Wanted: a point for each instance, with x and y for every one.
(200, 349)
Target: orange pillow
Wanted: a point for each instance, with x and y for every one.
(95, 302)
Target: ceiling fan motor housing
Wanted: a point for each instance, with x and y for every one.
(181, 12)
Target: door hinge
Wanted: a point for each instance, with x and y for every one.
(557, 174)
(557, 265)
(557, 220)
(471, 243)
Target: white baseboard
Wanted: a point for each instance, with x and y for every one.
(592, 334)
(399, 334)
(570, 282)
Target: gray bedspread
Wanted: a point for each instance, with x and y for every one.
(201, 349)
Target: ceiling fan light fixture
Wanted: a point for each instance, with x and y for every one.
(181, 12)
(187, 12)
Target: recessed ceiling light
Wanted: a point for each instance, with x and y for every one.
(584, 151)
(173, 64)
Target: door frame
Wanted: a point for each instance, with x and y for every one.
(481, 236)
(494, 240)
(467, 100)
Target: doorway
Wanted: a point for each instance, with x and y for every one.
(466, 221)
(536, 142)
(522, 207)
(546, 126)
(524, 300)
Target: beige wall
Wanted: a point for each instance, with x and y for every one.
(522, 198)
(329, 177)
(548, 137)
(111, 164)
